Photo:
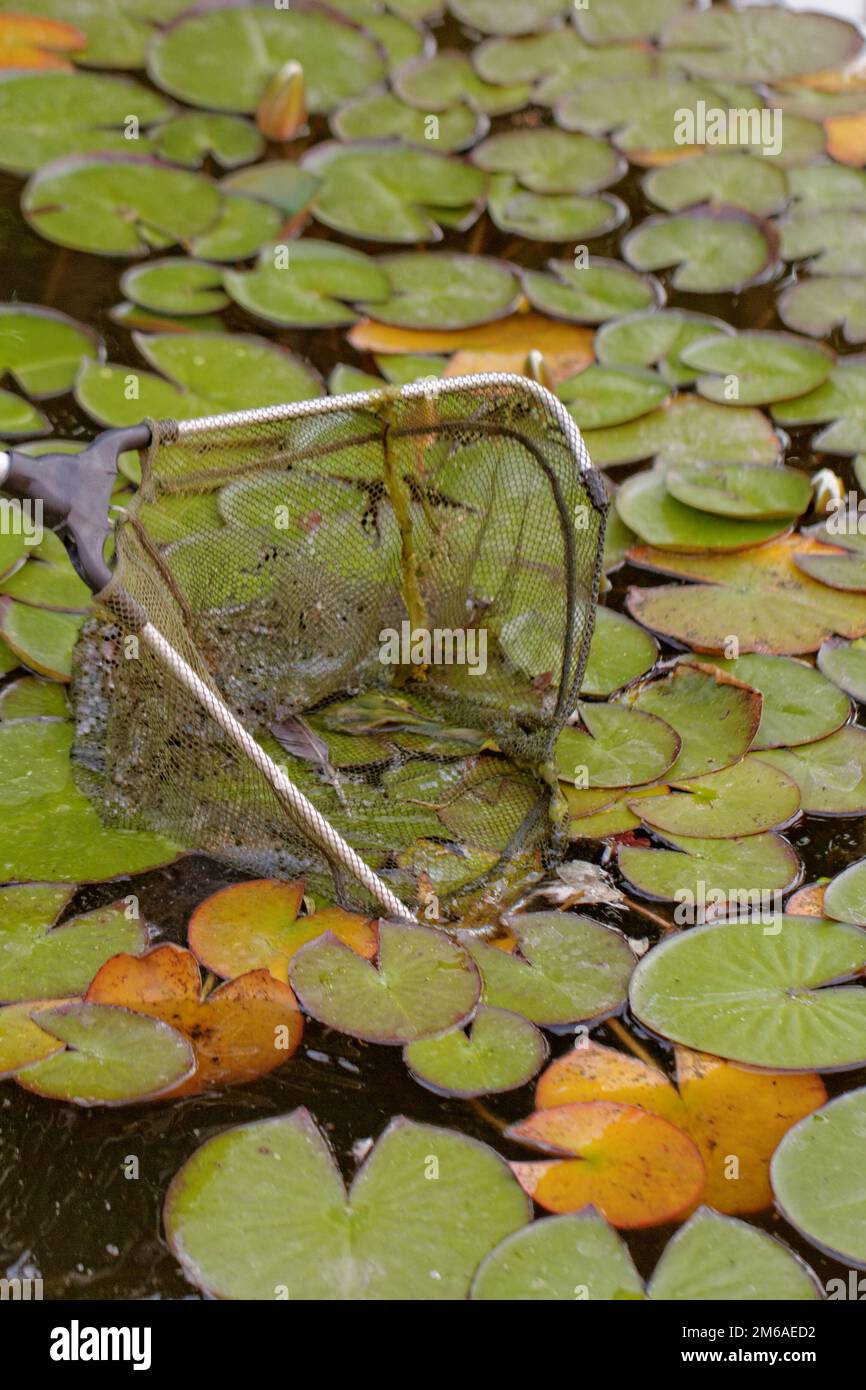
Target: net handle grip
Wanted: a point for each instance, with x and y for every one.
(74, 491)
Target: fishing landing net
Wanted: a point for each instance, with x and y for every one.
(393, 593)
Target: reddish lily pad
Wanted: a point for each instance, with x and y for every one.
(724, 1108)
(255, 926)
(238, 1032)
(634, 1167)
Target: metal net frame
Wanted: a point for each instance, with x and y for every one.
(283, 564)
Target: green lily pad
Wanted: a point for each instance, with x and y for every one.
(642, 114)
(20, 419)
(383, 116)
(39, 963)
(799, 704)
(841, 401)
(551, 216)
(601, 290)
(421, 984)
(744, 799)
(444, 290)
(41, 639)
(135, 316)
(45, 115)
(113, 1057)
(714, 716)
(176, 285)
(261, 1212)
(36, 789)
(208, 373)
(13, 549)
(36, 761)
(400, 368)
(244, 225)
(599, 397)
(741, 181)
(192, 138)
(746, 491)
(845, 895)
(620, 20)
(844, 663)
(382, 191)
(48, 579)
(714, 249)
(684, 431)
(827, 185)
(547, 160)
(8, 659)
(760, 997)
(657, 339)
(42, 349)
(310, 289)
(438, 81)
(617, 747)
(834, 238)
(838, 569)
(718, 1258)
(831, 773)
(285, 185)
(647, 506)
(557, 61)
(817, 1177)
(762, 44)
(759, 596)
(118, 205)
(620, 652)
(502, 1051)
(566, 969)
(223, 59)
(756, 368)
(399, 36)
(819, 306)
(31, 698)
(697, 869)
(506, 16)
(558, 1259)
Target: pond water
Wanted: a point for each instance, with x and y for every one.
(67, 1212)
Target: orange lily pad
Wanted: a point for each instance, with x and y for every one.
(808, 901)
(846, 138)
(635, 1167)
(22, 1041)
(255, 926)
(510, 340)
(244, 1029)
(37, 43)
(736, 1117)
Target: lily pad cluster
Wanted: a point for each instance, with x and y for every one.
(657, 209)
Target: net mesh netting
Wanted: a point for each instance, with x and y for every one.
(394, 593)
